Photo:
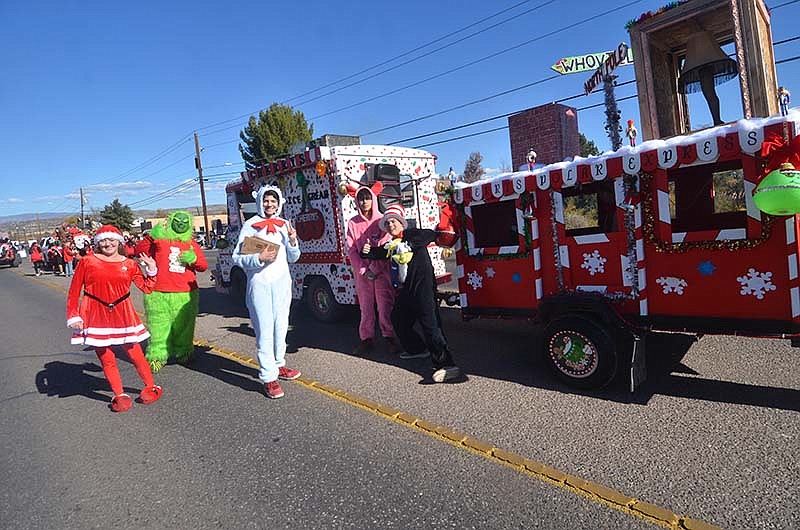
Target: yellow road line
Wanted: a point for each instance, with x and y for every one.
(590, 490)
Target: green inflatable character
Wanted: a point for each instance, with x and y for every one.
(171, 309)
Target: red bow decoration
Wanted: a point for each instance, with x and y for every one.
(376, 188)
(270, 224)
(778, 151)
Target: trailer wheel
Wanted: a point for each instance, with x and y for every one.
(239, 286)
(321, 301)
(581, 352)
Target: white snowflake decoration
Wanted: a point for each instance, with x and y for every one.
(594, 263)
(671, 284)
(474, 280)
(489, 272)
(756, 283)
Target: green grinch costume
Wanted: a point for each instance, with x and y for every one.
(171, 309)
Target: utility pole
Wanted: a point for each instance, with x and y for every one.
(83, 220)
(199, 167)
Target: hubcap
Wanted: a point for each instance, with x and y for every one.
(573, 354)
(323, 301)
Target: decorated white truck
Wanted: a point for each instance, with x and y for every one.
(318, 185)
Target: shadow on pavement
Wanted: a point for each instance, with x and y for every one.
(61, 379)
(509, 350)
(225, 370)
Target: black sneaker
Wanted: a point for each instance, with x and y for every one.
(448, 373)
(420, 355)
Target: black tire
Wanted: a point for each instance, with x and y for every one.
(238, 287)
(580, 351)
(321, 302)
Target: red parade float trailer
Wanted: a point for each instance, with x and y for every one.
(661, 236)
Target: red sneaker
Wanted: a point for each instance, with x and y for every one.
(287, 374)
(121, 403)
(274, 390)
(150, 394)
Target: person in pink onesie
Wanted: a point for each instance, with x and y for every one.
(373, 277)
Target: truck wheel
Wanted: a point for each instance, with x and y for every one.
(239, 286)
(321, 302)
(580, 351)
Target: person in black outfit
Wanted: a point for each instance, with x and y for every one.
(416, 299)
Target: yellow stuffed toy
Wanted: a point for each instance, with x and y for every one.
(401, 253)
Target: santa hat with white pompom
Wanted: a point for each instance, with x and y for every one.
(108, 232)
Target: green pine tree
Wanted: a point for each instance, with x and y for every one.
(272, 134)
(117, 214)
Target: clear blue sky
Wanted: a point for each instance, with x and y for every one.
(93, 91)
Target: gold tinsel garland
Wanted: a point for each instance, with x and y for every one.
(648, 227)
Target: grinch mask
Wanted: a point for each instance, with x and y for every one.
(177, 227)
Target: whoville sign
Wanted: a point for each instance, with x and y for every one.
(612, 62)
(586, 63)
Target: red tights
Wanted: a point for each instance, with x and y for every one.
(109, 363)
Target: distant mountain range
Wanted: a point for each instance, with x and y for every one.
(27, 217)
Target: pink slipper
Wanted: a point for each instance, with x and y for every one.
(121, 403)
(150, 394)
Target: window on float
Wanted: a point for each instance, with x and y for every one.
(705, 198)
(495, 224)
(590, 209)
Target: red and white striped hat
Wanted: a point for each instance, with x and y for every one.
(108, 232)
(395, 211)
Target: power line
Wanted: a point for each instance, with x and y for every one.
(492, 118)
(372, 76)
(180, 188)
(441, 74)
(461, 137)
(369, 68)
(409, 52)
(790, 59)
(147, 162)
(476, 61)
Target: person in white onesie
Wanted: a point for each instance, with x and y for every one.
(269, 286)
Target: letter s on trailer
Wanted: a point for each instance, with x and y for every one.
(314, 185)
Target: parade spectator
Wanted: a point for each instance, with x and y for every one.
(416, 300)
(106, 317)
(55, 257)
(269, 285)
(69, 257)
(130, 246)
(372, 277)
(37, 258)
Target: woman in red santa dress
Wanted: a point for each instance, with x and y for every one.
(106, 317)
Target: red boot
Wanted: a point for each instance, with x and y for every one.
(121, 403)
(150, 394)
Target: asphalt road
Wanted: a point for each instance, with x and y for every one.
(712, 436)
